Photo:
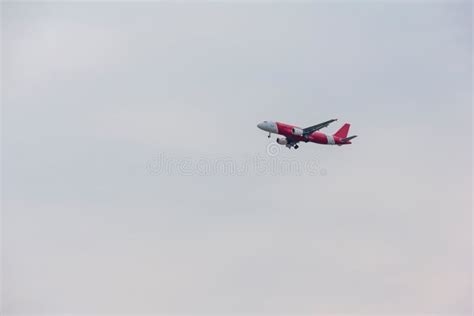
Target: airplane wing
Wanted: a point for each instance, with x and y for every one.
(317, 127)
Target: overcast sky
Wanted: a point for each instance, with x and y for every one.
(99, 97)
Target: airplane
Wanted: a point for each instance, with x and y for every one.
(294, 135)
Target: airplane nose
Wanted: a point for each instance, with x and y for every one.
(260, 125)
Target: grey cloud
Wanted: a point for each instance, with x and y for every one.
(93, 91)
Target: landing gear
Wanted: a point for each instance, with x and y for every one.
(269, 134)
(296, 146)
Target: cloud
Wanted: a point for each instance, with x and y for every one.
(94, 91)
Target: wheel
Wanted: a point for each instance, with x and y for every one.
(296, 146)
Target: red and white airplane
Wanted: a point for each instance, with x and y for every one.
(294, 135)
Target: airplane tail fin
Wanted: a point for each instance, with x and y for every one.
(343, 131)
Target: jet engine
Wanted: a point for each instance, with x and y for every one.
(297, 131)
(282, 141)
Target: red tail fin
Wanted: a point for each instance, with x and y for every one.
(343, 131)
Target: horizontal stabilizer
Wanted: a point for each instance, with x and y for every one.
(345, 140)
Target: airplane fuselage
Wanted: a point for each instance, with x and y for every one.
(291, 131)
(295, 134)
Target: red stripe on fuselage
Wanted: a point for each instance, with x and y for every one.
(287, 130)
(316, 137)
